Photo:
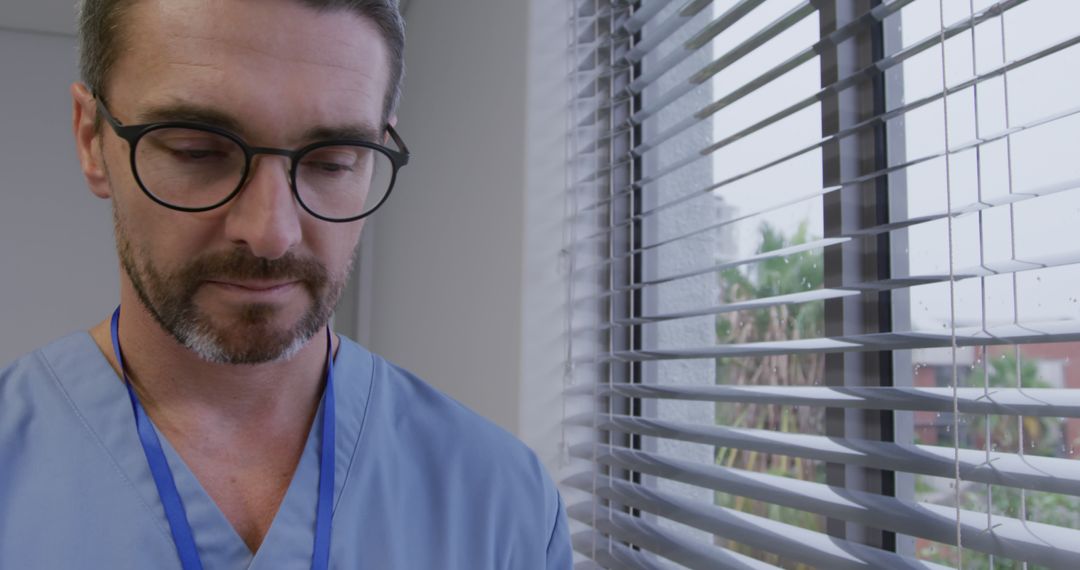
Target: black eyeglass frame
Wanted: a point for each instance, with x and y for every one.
(133, 133)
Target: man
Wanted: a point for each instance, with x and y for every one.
(213, 421)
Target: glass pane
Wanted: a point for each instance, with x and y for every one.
(712, 197)
(189, 168)
(343, 181)
(770, 207)
(989, 168)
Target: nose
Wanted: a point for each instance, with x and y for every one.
(265, 217)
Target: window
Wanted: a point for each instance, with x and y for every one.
(822, 303)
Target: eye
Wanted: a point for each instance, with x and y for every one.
(194, 147)
(199, 150)
(196, 153)
(331, 160)
(330, 166)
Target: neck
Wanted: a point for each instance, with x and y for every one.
(180, 390)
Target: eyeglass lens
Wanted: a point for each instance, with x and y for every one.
(191, 168)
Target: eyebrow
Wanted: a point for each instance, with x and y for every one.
(187, 112)
(349, 132)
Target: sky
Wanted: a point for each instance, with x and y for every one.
(1039, 230)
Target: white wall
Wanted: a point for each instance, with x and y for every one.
(466, 254)
(57, 263)
(447, 271)
(544, 280)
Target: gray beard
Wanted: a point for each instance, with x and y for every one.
(250, 339)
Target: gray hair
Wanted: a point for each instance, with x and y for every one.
(101, 34)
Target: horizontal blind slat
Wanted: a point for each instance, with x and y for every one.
(708, 190)
(755, 303)
(1010, 537)
(861, 75)
(954, 149)
(1018, 196)
(721, 23)
(957, 212)
(890, 284)
(613, 554)
(664, 30)
(873, 16)
(1048, 474)
(876, 14)
(647, 11)
(586, 564)
(1032, 402)
(764, 256)
(1038, 473)
(661, 541)
(788, 541)
(632, 24)
(1023, 332)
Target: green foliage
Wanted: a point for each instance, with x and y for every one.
(786, 275)
(1041, 436)
(804, 271)
(795, 273)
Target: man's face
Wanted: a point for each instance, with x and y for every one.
(252, 280)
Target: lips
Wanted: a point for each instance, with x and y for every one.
(254, 285)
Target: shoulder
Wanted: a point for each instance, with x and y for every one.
(412, 419)
(27, 377)
(422, 413)
(40, 397)
(485, 494)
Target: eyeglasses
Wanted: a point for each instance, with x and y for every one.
(194, 167)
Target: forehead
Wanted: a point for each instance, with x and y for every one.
(275, 65)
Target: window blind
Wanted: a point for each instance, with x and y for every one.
(821, 295)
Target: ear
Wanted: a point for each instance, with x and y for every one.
(392, 121)
(87, 141)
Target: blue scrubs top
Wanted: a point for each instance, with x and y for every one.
(421, 482)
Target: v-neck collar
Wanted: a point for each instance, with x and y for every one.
(99, 397)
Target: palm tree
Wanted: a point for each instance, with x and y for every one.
(1041, 436)
(780, 276)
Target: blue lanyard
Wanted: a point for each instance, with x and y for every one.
(166, 485)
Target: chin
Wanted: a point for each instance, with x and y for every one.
(259, 334)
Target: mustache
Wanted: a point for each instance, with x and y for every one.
(240, 264)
